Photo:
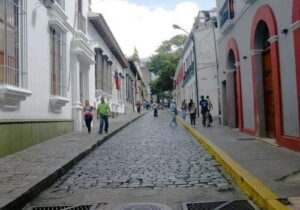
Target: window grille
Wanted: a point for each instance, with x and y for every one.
(12, 43)
(58, 71)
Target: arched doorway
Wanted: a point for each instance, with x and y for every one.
(232, 71)
(234, 91)
(262, 42)
(266, 74)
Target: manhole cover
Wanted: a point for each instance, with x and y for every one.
(141, 206)
(221, 205)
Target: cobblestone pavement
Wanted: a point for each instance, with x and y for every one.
(148, 153)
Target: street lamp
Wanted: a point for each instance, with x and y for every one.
(191, 35)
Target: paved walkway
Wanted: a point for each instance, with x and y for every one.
(277, 167)
(24, 174)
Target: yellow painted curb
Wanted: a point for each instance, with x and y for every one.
(252, 187)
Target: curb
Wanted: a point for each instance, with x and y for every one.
(30, 194)
(251, 186)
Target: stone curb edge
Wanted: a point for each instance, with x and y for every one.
(31, 193)
(251, 186)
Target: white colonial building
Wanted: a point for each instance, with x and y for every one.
(259, 68)
(54, 55)
(204, 35)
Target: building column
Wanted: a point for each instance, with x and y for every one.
(76, 105)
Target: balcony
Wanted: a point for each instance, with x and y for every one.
(226, 15)
(81, 22)
(189, 74)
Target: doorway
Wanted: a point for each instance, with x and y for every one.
(268, 94)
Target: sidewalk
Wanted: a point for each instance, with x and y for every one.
(276, 167)
(25, 174)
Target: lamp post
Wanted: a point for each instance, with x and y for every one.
(192, 36)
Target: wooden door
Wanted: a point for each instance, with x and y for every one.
(268, 94)
(236, 99)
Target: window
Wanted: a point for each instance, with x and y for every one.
(10, 42)
(231, 9)
(57, 52)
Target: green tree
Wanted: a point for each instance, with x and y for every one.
(164, 63)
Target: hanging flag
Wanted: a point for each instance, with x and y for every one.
(117, 80)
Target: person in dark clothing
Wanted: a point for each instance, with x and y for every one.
(190, 105)
(204, 111)
(193, 112)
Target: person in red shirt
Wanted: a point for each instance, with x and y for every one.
(138, 106)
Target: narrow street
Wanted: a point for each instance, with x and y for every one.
(160, 165)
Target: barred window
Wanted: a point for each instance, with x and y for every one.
(11, 40)
(57, 53)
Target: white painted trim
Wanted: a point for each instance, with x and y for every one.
(11, 96)
(56, 24)
(256, 52)
(237, 64)
(58, 12)
(273, 39)
(57, 102)
(295, 25)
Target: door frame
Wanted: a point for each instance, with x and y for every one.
(267, 50)
(265, 13)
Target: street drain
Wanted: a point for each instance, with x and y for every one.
(141, 206)
(81, 207)
(221, 205)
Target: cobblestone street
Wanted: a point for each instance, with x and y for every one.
(148, 161)
(148, 153)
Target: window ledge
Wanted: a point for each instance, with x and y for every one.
(228, 25)
(82, 49)
(56, 24)
(10, 97)
(57, 102)
(58, 12)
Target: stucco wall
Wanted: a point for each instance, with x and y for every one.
(241, 32)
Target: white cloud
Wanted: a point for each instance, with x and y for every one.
(141, 27)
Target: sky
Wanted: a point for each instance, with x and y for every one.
(145, 24)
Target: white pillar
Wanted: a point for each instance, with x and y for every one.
(76, 105)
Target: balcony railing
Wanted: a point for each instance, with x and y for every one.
(81, 22)
(226, 12)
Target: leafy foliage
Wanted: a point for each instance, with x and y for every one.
(164, 63)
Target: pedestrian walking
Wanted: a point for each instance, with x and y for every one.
(190, 105)
(210, 108)
(184, 109)
(103, 112)
(193, 112)
(138, 107)
(88, 115)
(155, 109)
(204, 111)
(173, 110)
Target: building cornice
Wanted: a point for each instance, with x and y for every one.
(99, 23)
